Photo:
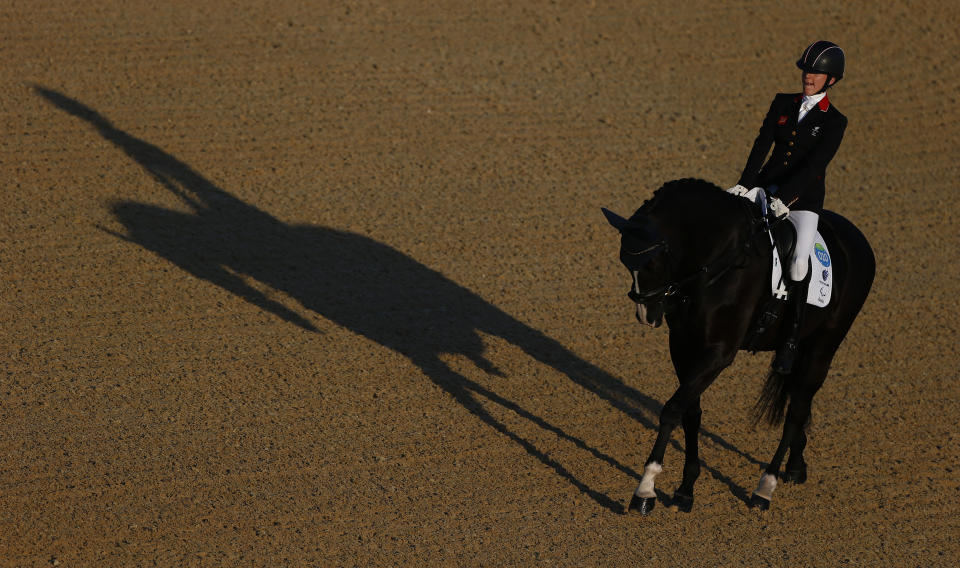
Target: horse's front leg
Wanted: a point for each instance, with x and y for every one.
(645, 496)
(683, 406)
(698, 355)
(683, 496)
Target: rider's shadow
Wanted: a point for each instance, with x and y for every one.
(355, 282)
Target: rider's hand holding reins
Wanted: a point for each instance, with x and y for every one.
(738, 190)
(779, 210)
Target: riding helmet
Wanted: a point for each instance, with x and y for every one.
(822, 57)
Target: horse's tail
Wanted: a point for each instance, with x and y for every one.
(771, 405)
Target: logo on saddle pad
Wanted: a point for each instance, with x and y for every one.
(822, 255)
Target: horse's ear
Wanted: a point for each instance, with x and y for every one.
(618, 222)
(637, 225)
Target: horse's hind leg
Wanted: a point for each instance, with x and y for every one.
(804, 384)
(796, 469)
(797, 415)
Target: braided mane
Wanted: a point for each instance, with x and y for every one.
(690, 186)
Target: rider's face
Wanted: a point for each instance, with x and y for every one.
(813, 82)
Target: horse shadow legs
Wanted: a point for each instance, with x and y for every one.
(471, 396)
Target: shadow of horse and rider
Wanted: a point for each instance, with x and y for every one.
(362, 285)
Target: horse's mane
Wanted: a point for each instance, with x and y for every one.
(686, 189)
(695, 209)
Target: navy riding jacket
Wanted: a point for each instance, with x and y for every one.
(801, 151)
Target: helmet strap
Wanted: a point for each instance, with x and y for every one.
(828, 84)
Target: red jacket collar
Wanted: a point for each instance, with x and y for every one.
(824, 103)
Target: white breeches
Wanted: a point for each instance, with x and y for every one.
(806, 224)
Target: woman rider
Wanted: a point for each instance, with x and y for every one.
(805, 131)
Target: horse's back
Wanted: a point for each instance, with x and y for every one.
(853, 244)
(854, 263)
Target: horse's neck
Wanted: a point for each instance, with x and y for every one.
(704, 231)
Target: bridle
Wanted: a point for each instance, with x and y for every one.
(719, 267)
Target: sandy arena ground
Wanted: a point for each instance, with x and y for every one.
(327, 284)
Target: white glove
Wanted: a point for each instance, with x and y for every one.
(778, 208)
(737, 190)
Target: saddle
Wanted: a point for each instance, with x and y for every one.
(784, 237)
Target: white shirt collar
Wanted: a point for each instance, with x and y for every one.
(809, 102)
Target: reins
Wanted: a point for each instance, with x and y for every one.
(663, 293)
(653, 247)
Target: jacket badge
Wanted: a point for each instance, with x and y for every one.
(815, 131)
(782, 121)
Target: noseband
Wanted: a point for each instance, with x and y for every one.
(722, 265)
(660, 293)
(663, 293)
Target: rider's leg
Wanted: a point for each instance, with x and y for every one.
(806, 224)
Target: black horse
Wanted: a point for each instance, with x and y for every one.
(702, 258)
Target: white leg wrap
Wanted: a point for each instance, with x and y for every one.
(768, 483)
(645, 489)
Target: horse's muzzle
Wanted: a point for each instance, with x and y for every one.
(650, 315)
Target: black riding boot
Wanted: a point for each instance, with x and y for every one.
(787, 353)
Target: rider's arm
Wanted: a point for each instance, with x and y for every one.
(761, 146)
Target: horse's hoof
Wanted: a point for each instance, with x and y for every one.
(759, 503)
(683, 502)
(797, 476)
(642, 505)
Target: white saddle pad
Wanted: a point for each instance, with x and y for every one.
(821, 275)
